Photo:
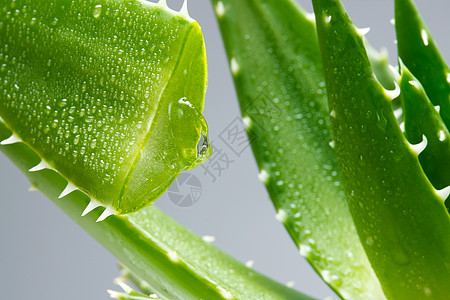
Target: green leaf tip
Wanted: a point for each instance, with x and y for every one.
(284, 108)
(110, 94)
(402, 222)
(420, 54)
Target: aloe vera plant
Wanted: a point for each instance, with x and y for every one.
(354, 154)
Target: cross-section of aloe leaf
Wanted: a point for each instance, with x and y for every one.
(422, 119)
(108, 92)
(400, 218)
(177, 264)
(275, 62)
(420, 54)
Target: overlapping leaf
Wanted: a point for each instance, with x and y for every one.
(400, 218)
(175, 263)
(274, 59)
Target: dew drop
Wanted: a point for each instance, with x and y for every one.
(424, 36)
(97, 11)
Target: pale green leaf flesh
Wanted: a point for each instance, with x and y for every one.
(400, 218)
(174, 262)
(275, 62)
(109, 93)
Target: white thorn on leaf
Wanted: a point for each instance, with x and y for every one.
(69, 189)
(333, 113)
(250, 263)
(392, 21)
(173, 256)
(226, 294)
(184, 9)
(448, 80)
(153, 296)
(311, 17)
(442, 136)
(332, 144)
(290, 283)
(93, 204)
(392, 94)
(13, 139)
(416, 84)
(424, 35)
(398, 112)
(32, 188)
(41, 166)
(125, 287)
(220, 9)
(418, 148)
(247, 122)
(402, 127)
(106, 213)
(263, 176)
(363, 31)
(394, 71)
(437, 108)
(114, 294)
(234, 66)
(304, 250)
(209, 238)
(327, 19)
(444, 193)
(281, 216)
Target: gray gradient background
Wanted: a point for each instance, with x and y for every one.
(44, 255)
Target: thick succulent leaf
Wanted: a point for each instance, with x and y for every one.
(175, 263)
(129, 293)
(109, 93)
(422, 119)
(127, 276)
(274, 58)
(420, 54)
(400, 218)
(382, 69)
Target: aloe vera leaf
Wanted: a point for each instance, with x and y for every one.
(399, 216)
(129, 293)
(109, 93)
(176, 263)
(127, 276)
(422, 119)
(274, 57)
(379, 61)
(421, 55)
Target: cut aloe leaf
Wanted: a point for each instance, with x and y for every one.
(422, 119)
(399, 216)
(421, 55)
(274, 59)
(109, 93)
(177, 264)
